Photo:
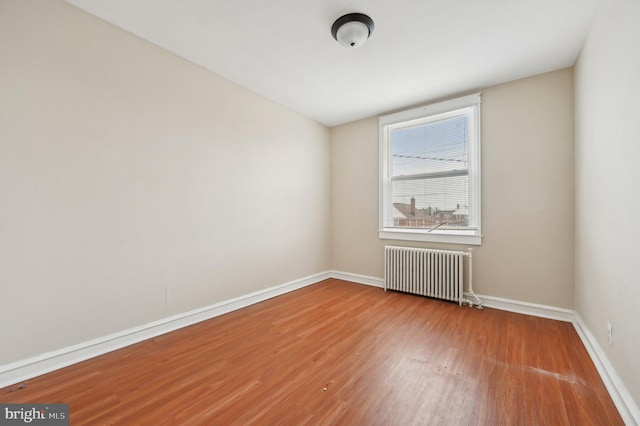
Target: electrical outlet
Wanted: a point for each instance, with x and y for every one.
(610, 333)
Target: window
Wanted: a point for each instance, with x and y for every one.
(430, 173)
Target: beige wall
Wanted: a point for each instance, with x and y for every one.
(607, 185)
(527, 193)
(135, 185)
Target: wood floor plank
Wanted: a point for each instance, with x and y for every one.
(340, 353)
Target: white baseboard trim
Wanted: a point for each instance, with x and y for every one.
(356, 278)
(510, 305)
(22, 370)
(617, 390)
(517, 306)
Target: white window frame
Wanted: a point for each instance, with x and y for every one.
(438, 110)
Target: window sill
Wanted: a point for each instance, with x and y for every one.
(452, 237)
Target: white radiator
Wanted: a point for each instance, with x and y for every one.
(428, 272)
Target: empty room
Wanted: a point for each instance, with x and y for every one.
(319, 212)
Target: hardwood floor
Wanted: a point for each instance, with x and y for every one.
(340, 353)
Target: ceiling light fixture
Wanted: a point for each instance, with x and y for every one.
(352, 30)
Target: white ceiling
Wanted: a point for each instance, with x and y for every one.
(420, 50)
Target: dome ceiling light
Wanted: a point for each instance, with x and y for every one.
(352, 30)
